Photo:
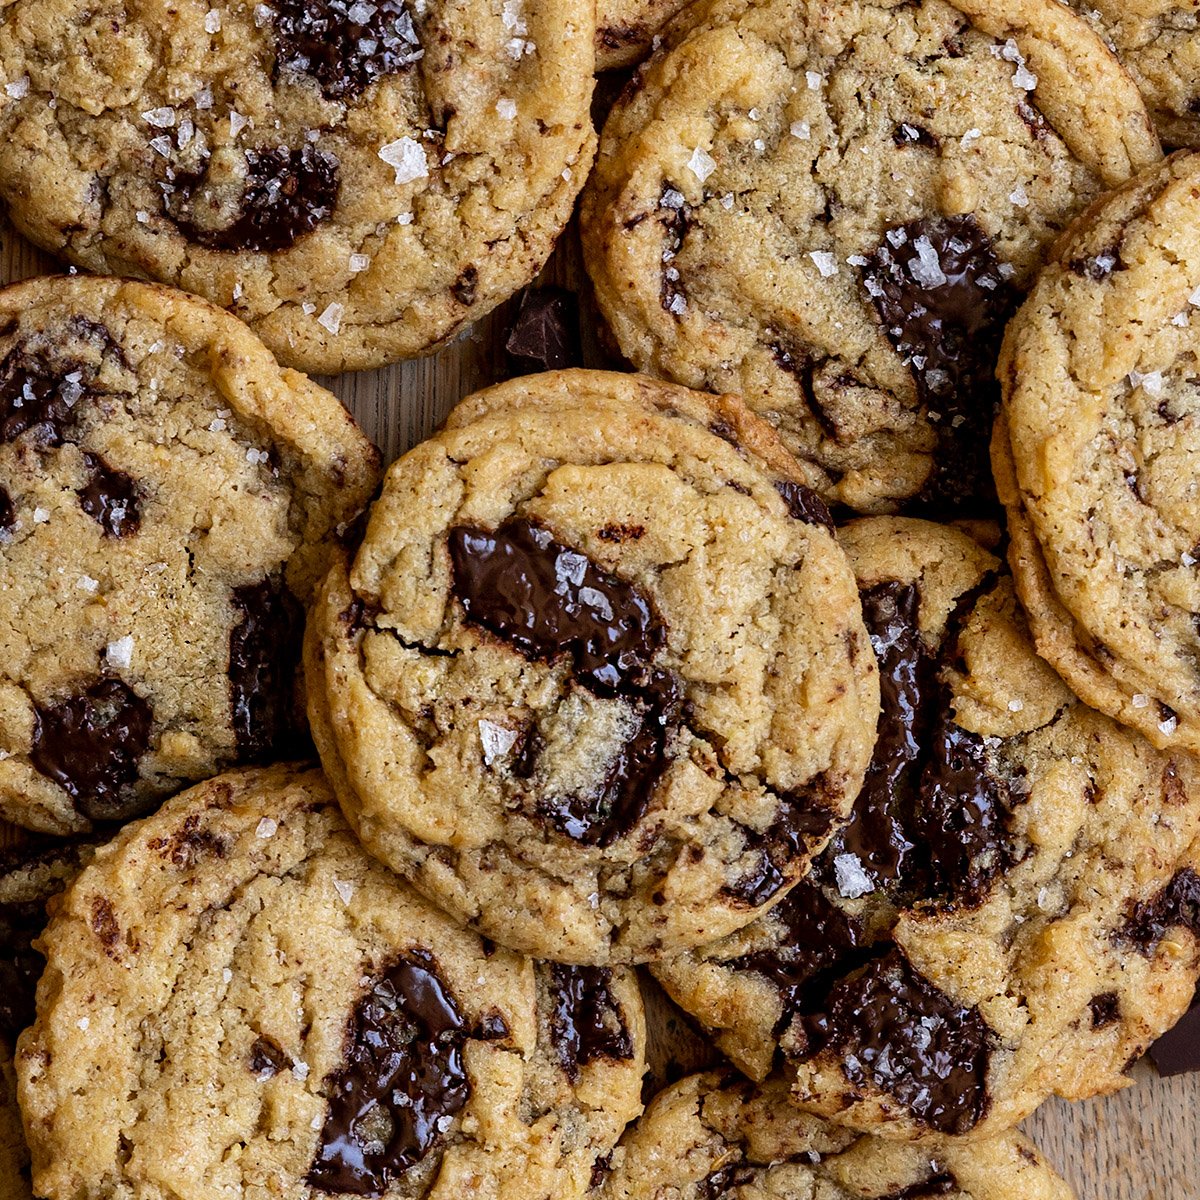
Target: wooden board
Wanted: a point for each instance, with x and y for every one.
(1142, 1144)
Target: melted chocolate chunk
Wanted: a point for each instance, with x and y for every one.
(287, 193)
(90, 745)
(403, 1076)
(345, 46)
(1176, 906)
(930, 817)
(1177, 1052)
(586, 1020)
(547, 600)
(1105, 1009)
(8, 515)
(944, 300)
(263, 656)
(38, 396)
(545, 336)
(676, 219)
(110, 497)
(719, 1184)
(894, 1028)
(819, 943)
(804, 504)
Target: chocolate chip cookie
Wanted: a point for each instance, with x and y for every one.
(832, 211)
(1013, 910)
(237, 998)
(1159, 42)
(709, 1137)
(168, 498)
(597, 680)
(1098, 451)
(356, 180)
(29, 877)
(625, 29)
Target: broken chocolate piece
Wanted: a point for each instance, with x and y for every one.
(804, 504)
(110, 497)
(1176, 906)
(545, 335)
(1177, 1052)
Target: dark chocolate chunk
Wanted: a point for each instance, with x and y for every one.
(675, 216)
(110, 497)
(90, 745)
(720, 1182)
(465, 287)
(8, 514)
(1177, 1052)
(893, 1027)
(601, 1169)
(286, 194)
(20, 964)
(268, 1058)
(1105, 1009)
(944, 300)
(545, 336)
(547, 600)
(1176, 906)
(345, 45)
(263, 657)
(930, 819)
(804, 504)
(402, 1077)
(819, 943)
(586, 1019)
(38, 396)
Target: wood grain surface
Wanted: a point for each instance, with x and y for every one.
(1141, 1144)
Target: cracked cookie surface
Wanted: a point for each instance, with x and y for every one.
(710, 1136)
(29, 878)
(832, 211)
(1159, 43)
(1013, 910)
(357, 181)
(1097, 451)
(168, 498)
(327, 1031)
(597, 680)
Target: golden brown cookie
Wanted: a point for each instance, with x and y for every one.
(596, 680)
(238, 1000)
(1013, 911)
(833, 209)
(168, 498)
(358, 180)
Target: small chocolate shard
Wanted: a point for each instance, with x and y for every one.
(402, 1081)
(286, 194)
(263, 659)
(547, 600)
(546, 334)
(940, 1184)
(719, 1183)
(8, 514)
(110, 498)
(892, 1027)
(804, 504)
(908, 134)
(944, 299)
(466, 286)
(90, 744)
(586, 1019)
(345, 47)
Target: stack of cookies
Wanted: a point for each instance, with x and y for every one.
(834, 679)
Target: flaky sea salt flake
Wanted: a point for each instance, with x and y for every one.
(331, 318)
(119, 653)
(701, 164)
(406, 157)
